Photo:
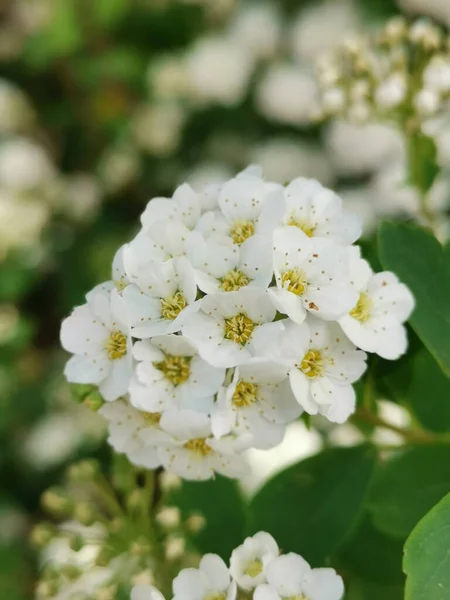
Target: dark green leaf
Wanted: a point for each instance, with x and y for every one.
(418, 259)
(371, 556)
(311, 507)
(219, 501)
(359, 589)
(427, 556)
(407, 486)
(429, 393)
(423, 165)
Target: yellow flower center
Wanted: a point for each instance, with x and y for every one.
(175, 368)
(294, 280)
(306, 226)
(120, 283)
(244, 394)
(233, 281)
(152, 417)
(172, 306)
(312, 364)
(254, 568)
(199, 446)
(241, 231)
(363, 308)
(239, 329)
(116, 345)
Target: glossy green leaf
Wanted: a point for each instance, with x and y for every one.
(427, 556)
(220, 502)
(359, 589)
(419, 261)
(407, 486)
(311, 507)
(429, 393)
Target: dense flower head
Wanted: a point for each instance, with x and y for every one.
(257, 570)
(232, 311)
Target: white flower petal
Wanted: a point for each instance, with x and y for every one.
(323, 584)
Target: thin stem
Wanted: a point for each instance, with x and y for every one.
(416, 436)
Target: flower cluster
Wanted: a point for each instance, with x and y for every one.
(231, 312)
(257, 570)
(402, 73)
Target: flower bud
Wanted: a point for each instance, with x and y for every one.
(76, 542)
(83, 471)
(174, 548)
(42, 534)
(169, 517)
(169, 481)
(56, 502)
(195, 523)
(93, 401)
(143, 578)
(137, 500)
(84, 513)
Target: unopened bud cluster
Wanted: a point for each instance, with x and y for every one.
(401, 74)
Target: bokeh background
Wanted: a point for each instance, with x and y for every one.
(107, 103)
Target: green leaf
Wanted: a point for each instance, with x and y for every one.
(108, 13)
(427, 556)
(311, 507)
(359, 589)
(220, 502)
(371, 556)
(419, 261)
(407, 486)
(429, 393)
(422, 158)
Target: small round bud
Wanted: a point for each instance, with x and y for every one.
(143, 578)
(93, 401)
(56, 502)
(195, 523)
(395, 30)
(174, 548)
(46, 589)
(169, 517)
(80, 391)
(42, 534)
(84, 470)
(70, 571)
(169, 481)
(140, 546)
(136, 500)
(84, 513)
(427, 102)
(334, 100)
(391, 92)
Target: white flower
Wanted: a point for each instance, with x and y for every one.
(257, 29)
(334, 100)
(145, 592)
(375, 323)
(249, 562)
(161, 297)
(248, 206)
(287, 94)
(322, 366)
(391, 92)
(259, 402)
(125, 424)
(311, 275)
(24, 165)
(98, 334)
(221, 265)
(437, 74)
(427, 102)
(193, 453)
(210, 581)
(170, 374)
(318, 212)
(119, 275)
(290, 576)
(223, 329)
(184, 206)
(226, 85)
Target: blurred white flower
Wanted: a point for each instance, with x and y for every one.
(167, 77)
(157, 127)
(119, 167)
(439, 9)
(24, 165)
(16, 113)
(322, 27)
(83, 196)
(283, 158)
(287, 94)
(218, 70)
(257, 29)
(391, 92)
(359, 149)
(21, 221)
